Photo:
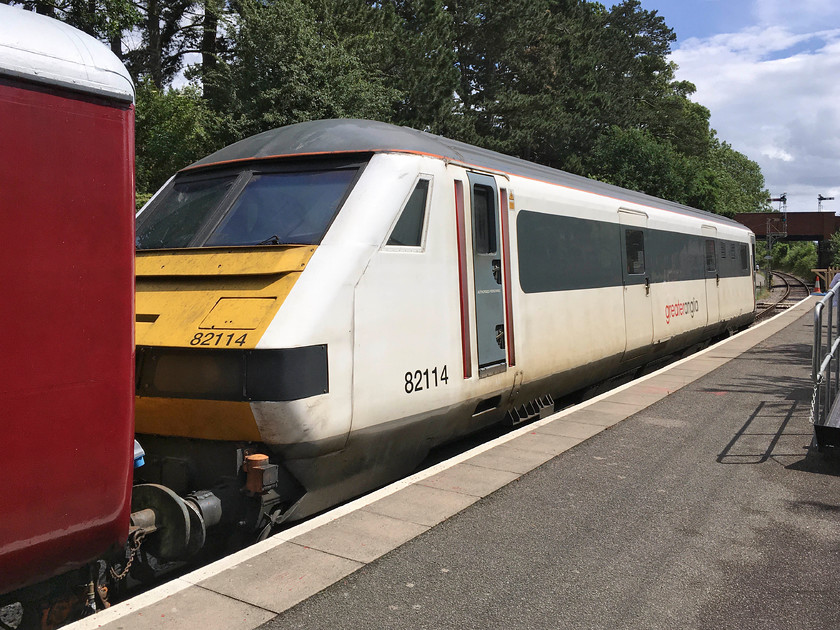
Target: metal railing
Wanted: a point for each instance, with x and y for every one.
(825, 366)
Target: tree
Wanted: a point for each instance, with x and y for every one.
(544, 79)
(632, 46)
(635, 159)
(738, 179)
(722, 181)
(104, 19)
(165, 28)
(174, 127)
(835, 249)
(422, 66)
(798, 257)
(678, 120)
(285, 66)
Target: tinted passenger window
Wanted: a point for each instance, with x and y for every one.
(634, 241)
(710, 255)
(732, 251)
(408, 231)
(745, 258)
(558, 253)
(485, 220)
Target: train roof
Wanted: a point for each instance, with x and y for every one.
(40, 49)
(341, 136)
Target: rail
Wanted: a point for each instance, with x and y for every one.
(794, 290)
(825, 371)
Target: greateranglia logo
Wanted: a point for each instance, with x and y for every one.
(681, 308)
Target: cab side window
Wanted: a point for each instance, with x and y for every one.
(408, 231)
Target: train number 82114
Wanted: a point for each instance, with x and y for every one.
(218, 339)
(418, 380)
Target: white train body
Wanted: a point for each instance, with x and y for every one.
(516, 284)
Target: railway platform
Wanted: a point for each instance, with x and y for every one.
(689, 498)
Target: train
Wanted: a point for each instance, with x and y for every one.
(320, 305)
(291, 321)
(67, 313)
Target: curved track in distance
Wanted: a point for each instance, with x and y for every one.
(789, 292)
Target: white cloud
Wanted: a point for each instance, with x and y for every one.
(775, 153)
(774, 95)
(797, 15)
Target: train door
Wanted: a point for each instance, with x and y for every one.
(487, 274)
(712, 273)
(638, 312)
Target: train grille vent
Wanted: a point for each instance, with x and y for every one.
(533, 410)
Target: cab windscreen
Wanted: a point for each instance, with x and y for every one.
(245, 208)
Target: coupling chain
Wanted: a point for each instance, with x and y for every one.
(817, 383)
(135, 538)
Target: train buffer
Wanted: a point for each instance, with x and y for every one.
(689, 498)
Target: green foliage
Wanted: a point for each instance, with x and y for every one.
(421, 65)
(738, 180)
(720, 180)
(530, 83)
(633, 158)
(287, 66)
(835, 249)
(760, 253)
(544, 79)
(141, 199)
(166, 28)
(174, 127)
(105, 19)
(797, 257)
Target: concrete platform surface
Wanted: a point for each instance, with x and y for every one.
(702, 509)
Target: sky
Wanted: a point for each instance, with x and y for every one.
(769, 72)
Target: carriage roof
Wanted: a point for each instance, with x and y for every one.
(39, 49)
(347, 136)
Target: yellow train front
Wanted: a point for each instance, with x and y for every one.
(319, 305)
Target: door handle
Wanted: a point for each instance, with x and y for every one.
(717, 279)
(647, 286)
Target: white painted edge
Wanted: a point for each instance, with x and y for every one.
(190, 579)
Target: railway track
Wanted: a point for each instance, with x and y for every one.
(790, 291)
